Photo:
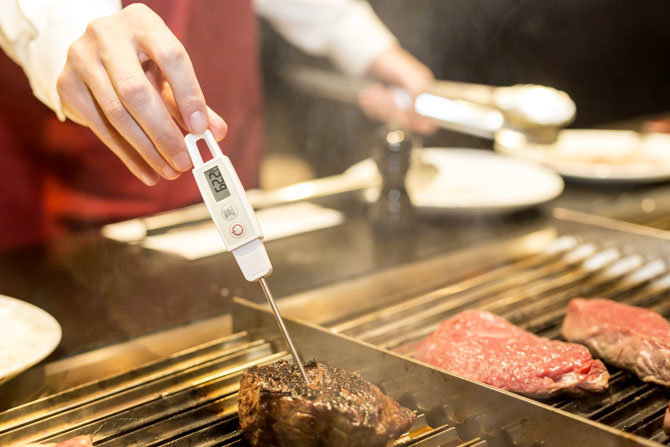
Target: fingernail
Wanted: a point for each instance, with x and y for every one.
(169, 173)
(198, 122)
(149, 179)
(182, 161)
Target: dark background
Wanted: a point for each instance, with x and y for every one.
(612, 57)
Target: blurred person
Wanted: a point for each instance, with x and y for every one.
(138, 77)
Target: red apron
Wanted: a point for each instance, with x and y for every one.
(55, 177)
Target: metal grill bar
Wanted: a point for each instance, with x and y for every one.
(552, 254)
(167, 405)
(475, 410)
(446, 304)
(532, 293)
(422, 435)
(662, 223)
(176, 425)
(74, 419)
(187, 399)
(60, 402)
(190, 398)
(225, 432)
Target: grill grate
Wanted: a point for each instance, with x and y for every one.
(532, 292)
(190, 398)
(659, 222)
(184, 400)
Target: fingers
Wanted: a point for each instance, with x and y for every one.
(80, 105)
(423, 125)
(399, 67)
(377, 103)
(145, 105)
(173, 61)
(108, 85)
(660, 125)
(114, 109)
(217, 125)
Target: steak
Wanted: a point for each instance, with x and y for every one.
(338, 408)
(485, 347)
(626, 336)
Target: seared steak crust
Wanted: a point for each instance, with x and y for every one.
(339, 408)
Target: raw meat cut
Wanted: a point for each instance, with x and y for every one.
(626, 336)
(339, 408)
(482, 346)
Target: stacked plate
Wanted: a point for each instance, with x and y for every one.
(596, 155)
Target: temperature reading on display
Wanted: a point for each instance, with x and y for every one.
(217, 184)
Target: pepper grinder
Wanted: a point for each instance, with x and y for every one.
(391, 152)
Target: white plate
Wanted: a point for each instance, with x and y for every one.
(469, 180)
(27, 335)
(596, 155)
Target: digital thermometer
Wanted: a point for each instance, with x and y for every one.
(235, 220)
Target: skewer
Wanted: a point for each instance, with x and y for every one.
(282, 327)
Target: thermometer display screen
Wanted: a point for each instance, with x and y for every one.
(217, 184)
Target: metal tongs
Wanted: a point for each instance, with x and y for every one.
(474, 109)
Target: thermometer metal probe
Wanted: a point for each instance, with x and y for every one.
(235, 220)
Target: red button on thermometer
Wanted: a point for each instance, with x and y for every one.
(234, 217)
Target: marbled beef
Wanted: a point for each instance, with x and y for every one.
(626, 336)
(485, 347)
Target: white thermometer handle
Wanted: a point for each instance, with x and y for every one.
(229, 207)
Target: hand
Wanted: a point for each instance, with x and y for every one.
(126, 78)
(399, 68)
(660, 125)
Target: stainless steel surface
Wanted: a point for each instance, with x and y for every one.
(188, 398)
(501, 418)
(593, 257)
(643, 238)
(53, 377)
(176, 401)
(648, 217)
(282, 328)
(337, 301)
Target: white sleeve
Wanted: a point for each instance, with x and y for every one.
(346, 31)
(37, 34)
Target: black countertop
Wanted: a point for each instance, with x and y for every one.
(103, 292)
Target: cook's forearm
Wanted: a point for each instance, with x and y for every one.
(346, 31)
(36, 34)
